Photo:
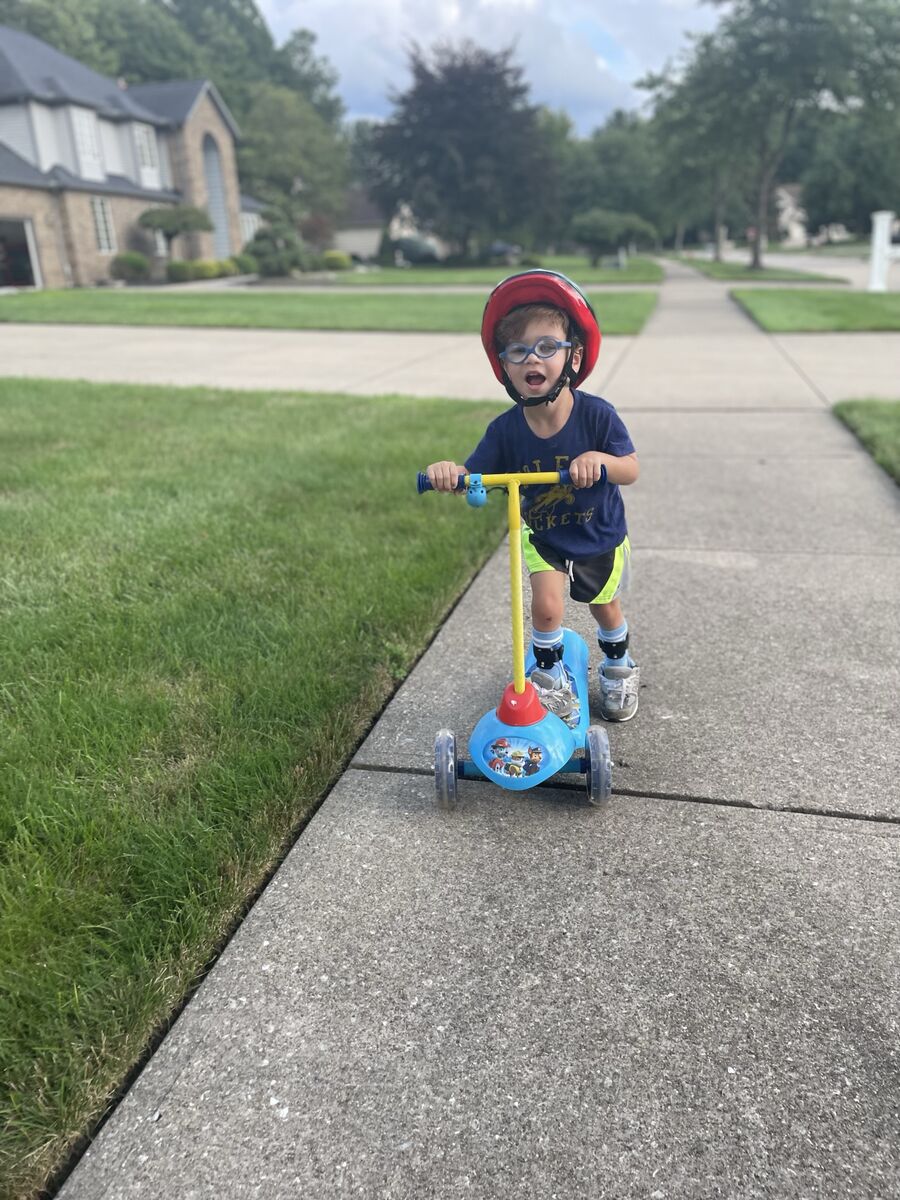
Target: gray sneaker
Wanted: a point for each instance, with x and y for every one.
(556, 695)
(619, 692)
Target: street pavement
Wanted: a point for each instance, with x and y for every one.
(691, 994)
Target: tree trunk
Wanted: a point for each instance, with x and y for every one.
(679, 236)
(762, 218)
(719, 231)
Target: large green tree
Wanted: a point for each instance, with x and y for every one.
(461, 146)
(701, 170)
(850, 169)
(290, 155)
(617, 169)
(782, 57)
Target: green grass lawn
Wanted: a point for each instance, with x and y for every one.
(619, 312)
(821, 311)
(877, 425)
(740, 272)
(206, 598)
(638, 270)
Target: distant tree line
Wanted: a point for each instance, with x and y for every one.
(798, 91)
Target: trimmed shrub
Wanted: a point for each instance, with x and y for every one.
(205, 268)
(246, 264)
(336, 260)
(278, 250)
(132, 266)
(227, 266)
(179, 271)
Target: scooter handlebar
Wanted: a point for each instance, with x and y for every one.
(423, 483)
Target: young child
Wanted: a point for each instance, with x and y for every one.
(542, 338)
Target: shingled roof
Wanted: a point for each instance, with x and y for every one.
(32, 70)
(16, 172)
(175, 100)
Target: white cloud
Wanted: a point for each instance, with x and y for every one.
(582, 56)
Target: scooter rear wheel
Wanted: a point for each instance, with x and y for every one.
(445, 769)
(598, 773)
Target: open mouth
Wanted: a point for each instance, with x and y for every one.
(535, 379)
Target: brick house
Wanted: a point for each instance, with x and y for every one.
(82, 156)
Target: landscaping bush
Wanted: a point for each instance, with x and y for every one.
(337, 260)
(205, 268)
(132, 266)
(601, 231)
(417, 250)
(246, 264)
(227, 266)
(278, 250)
(179, 271)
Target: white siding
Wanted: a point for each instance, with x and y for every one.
(165, 162)
(112, 148)
(250, 222)
(47, 135)
(15, 132)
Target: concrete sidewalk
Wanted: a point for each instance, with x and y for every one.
(692, 994)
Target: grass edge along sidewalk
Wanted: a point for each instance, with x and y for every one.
(199, 624)
(741, 272)
(820, 310)
(621, 313)
(876, 424)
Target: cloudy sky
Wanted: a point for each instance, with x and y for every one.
(582, 56)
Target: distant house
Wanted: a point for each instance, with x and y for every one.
(363, 226)
(82, 156)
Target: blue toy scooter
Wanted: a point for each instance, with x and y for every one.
(521, 744)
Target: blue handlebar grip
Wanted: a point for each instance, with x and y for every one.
(564, 477)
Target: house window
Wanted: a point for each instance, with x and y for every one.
(147, 156)
(87, 144)
(146, 147)
(103, 225)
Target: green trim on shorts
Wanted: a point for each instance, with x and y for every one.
(621, 564)
(533, 560)
(623, 558)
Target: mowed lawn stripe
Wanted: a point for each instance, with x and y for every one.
(821, 310)
(619, 312)
(206, 598)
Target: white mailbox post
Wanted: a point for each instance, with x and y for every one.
(882, 252)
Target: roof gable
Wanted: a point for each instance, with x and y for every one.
(177, 99)
(33, 70)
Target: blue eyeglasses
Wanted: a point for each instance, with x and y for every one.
(544, 347)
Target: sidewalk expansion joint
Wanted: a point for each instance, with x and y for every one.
(796, 367)
(562, 785)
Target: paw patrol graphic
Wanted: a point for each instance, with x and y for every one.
(535, 758)
(514, 757)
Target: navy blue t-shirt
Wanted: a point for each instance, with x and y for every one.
(576, 522)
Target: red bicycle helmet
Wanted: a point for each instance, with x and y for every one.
(542, 287)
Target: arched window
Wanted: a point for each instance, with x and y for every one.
(215, 191)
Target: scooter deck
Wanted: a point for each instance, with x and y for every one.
(576, 660)
(522, 756)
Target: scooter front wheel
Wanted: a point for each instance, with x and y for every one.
(598, 772)
(445, 769)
